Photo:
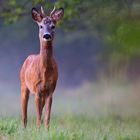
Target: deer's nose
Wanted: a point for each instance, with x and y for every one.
(47, 36)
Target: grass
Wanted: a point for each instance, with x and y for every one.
(72, 128)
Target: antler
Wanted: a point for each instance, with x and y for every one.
(54, 9)
(42, 11)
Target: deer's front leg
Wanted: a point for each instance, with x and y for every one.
(48, 110)
(38, 109)
(24, 103)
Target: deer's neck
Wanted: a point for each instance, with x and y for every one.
(46, 53)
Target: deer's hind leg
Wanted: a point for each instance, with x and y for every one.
(42, 103)
(24, 104)
(38, 103)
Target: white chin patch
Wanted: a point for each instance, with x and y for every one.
(44, 39)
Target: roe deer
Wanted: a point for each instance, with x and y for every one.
(39, 73)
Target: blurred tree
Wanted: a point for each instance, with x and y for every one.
(12, 10)
(117, 22)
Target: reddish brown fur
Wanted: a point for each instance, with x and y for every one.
(39, 76)
(39, 72)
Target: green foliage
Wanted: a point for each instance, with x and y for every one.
(128, 35)
(125, 39)
(116, 22)
(12, 10)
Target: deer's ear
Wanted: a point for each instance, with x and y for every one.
(36, 15)
(58, 14)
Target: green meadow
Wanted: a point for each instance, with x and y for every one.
(73, 128)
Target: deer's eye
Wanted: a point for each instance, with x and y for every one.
(41, 27)
(53, 27)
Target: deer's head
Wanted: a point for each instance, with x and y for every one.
(47, 23)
